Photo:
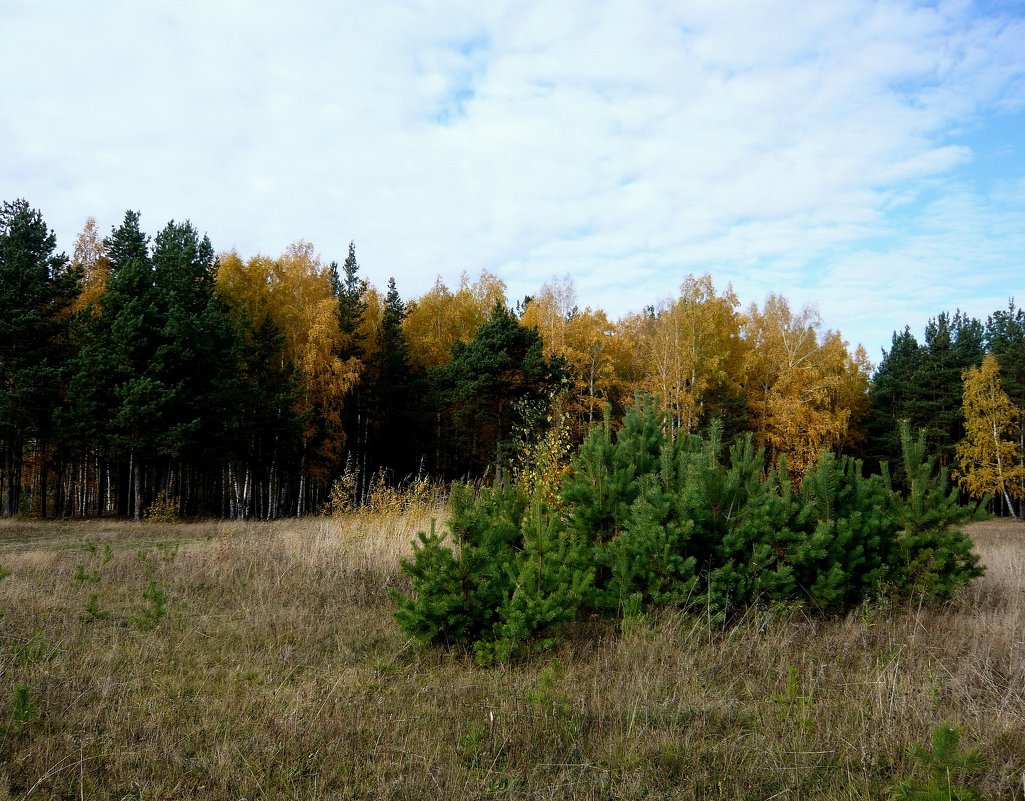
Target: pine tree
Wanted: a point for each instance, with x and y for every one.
(196, 331)
(549, 580)
(461, 579)
(351, 291)
(113, 401)
(36, 290)
(757, 546)
(485, 388)
(891, 393)
(945, 768)
(137, 387)
(952, 345)
(1005, 339)
(850, 533)
(399, 395)
(606, 473)
(930, 554)
(652, 561)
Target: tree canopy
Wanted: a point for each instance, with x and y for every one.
(152, 371)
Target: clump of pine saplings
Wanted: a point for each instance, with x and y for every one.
(648, 518)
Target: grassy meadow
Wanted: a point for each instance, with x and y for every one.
(229, 660)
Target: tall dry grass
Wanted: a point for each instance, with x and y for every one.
(275, 671)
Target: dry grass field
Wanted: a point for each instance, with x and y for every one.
(260, 661)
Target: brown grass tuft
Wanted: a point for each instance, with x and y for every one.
(275, 671)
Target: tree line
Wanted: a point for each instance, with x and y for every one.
(154, 373)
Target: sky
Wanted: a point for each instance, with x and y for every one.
(865, 158)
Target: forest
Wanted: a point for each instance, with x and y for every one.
(153, 375)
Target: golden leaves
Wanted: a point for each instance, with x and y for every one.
(295, 292)
(91, 255)
(439, 318)
(691, 345)
(989, 461)
(803, 386)
(585, 339)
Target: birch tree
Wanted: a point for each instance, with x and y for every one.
(692, 346)
(988, 457)
(438, 319)
(804, 388)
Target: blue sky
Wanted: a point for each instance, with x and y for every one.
(867, 158)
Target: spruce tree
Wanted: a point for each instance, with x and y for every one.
(351, 291)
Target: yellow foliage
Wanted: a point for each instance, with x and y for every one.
(549, 311)
(543, 463)
(691, 345)
(591, 348)
(295, 292)
(989, 460)
(418, 496)
(585, 339)
(91, 255)
(439, 318)
(803, 387)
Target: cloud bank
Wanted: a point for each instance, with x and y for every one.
(864, 157)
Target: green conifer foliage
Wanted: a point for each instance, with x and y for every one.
(646, 520)
(549, 580)
(945, 767)
(890, 394)
(352, 305)
(751, 529)
(486, 386)
(605, 474)
(850, 531)
(36, 290)
(462, 578)
(649, 561)
(930, 554)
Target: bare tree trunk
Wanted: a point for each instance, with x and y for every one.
(43, 479)
(136, 472)
(11, 481)
(1000, 471)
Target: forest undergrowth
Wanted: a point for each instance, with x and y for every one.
(262, 660)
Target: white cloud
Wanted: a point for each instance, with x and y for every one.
(772, 144)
